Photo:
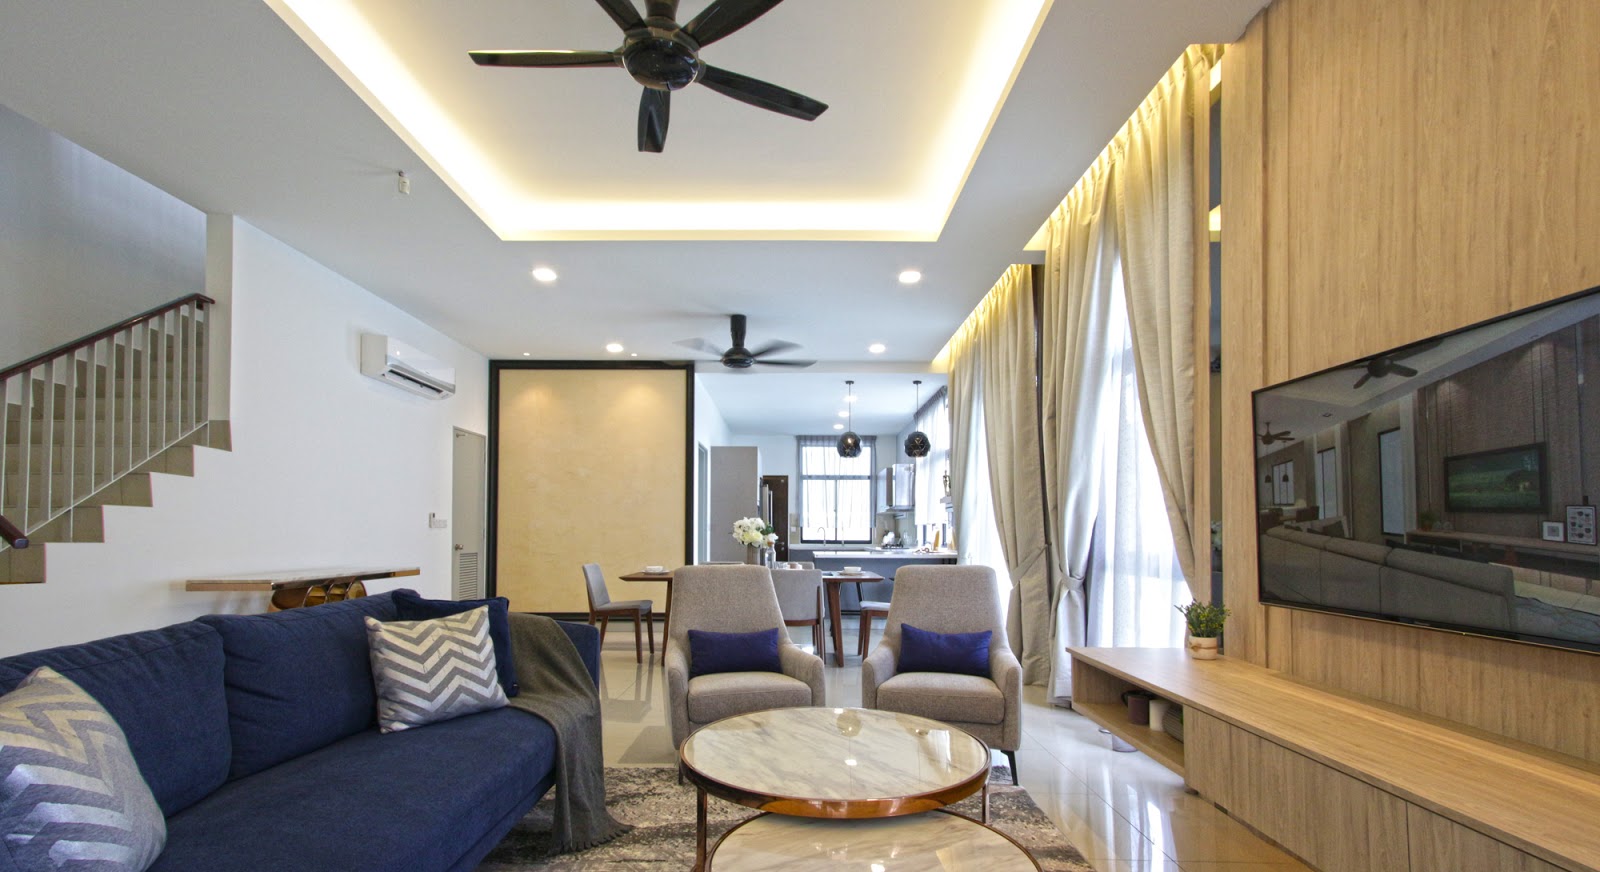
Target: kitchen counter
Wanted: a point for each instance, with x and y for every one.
(883, 561)
(883, 554)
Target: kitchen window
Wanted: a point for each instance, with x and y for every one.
(836, 499)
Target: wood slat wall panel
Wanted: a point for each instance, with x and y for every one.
(1395, 169)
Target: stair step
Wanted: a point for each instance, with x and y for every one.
(22, 567)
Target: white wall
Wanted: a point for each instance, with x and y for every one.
(328, 467)
(83, 244)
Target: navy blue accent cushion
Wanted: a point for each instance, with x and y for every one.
(395, 802)
(711, 652)
(587, 640)
(411, 607)
(959, 653)
(297, 680)
(164, 689)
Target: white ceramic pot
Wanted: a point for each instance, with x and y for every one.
(1203, 648)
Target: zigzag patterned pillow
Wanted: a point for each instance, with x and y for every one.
(434, 670)
(70, 792)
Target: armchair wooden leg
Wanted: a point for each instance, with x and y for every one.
(1011, 757)
(638, 638)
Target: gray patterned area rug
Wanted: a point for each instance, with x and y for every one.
(662, 814)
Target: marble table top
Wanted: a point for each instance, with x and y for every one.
(836, 762)
(934, 842)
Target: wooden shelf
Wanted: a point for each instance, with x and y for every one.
(1156, 744)
(1535, 801)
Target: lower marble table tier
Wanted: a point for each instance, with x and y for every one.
(934, 842)
(298, 587)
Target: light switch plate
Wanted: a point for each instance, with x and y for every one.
(437, 523)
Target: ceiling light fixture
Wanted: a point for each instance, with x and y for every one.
(544, 274)
(614, 347)
(849, 443)
(877, 348)
(917, 444)
(910, 276)
(845, 413)
(527, 354)
(838, 426)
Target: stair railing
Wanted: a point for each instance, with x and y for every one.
(78, 417)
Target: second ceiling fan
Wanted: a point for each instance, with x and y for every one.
(664, 56)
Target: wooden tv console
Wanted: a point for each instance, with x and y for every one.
(1346, 783)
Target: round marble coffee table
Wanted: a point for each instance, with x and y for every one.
(938, 841)
(836, 763)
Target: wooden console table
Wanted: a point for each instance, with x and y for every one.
(1348, 784)
(302, 587)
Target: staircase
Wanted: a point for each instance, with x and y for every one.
(86, 424)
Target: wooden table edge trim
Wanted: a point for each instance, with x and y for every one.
(711, 855)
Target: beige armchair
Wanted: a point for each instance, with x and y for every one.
(731, 599)
(949, 599)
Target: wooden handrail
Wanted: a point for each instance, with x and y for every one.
(13, 536)
(200, 301)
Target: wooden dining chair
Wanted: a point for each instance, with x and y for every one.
(603, 609)
(800, 600)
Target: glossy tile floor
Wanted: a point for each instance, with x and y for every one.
(1125, 812)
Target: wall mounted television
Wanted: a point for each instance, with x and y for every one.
(1422, 483)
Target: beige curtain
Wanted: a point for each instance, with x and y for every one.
(1081, 272)
(1155, 214)
(991, 366)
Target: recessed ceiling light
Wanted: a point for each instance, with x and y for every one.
(614, 347)
(877, 348)
(910, 276)
(544, 274)
(633, 354)
(527, 354)
(844, 414)
(850, 399)
(838, 426)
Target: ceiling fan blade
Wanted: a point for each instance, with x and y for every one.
(724, 17)
(1402, 369)
(1365, 377)
(654, 109)
(762, 94)
(700, 345)
(623, 12)
(544, 58)
(786, 363)
(661, 8)
(775, 347)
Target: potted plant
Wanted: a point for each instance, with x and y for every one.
(1205, 628)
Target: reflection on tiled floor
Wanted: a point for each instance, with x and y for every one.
(1125, 812)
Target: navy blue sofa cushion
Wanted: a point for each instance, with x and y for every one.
(960, 653)
(427, 798)
(410, 606)
(711, 652)
(297, 680)
(164, 688)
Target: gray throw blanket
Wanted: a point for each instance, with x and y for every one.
(556, 686)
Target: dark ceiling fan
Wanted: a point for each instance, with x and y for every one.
(1268, 437)
(1385, 365)
(663, 56)
(740, 358)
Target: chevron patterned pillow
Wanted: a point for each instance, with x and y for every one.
(70, 792)
(434, 670)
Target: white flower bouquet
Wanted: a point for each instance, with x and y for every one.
(753, 531)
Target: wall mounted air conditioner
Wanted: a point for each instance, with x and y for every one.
(389, 360)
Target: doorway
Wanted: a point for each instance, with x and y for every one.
(467, 507)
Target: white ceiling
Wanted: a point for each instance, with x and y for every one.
(220, 103)
(809, 403)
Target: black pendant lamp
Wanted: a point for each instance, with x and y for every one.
(917, 444)
(849, 444)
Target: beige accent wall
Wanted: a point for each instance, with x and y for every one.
(1394, 169)
(592, 469)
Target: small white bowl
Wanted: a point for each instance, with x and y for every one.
(852, 570)
(655, 569)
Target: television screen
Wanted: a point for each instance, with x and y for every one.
(1446, 483)
(1507, 480)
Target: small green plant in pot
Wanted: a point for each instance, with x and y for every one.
(1205, 628)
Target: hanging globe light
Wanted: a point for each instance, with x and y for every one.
(849, 443)
(917, 444)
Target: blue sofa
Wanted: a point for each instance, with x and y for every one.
(257, 734)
